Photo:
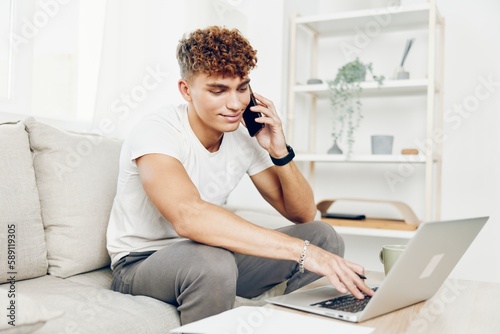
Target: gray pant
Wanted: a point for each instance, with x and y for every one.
(202, 280)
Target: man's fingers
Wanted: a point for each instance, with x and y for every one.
(360, 282)
(263, 100)
(338, 284)
(361, 285)
(351, 281)
(343, 275)
(353, 287)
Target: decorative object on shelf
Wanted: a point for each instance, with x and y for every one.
(409, 151)
(345, 102)
(314, 81)
(402, 74)
(335, 149)
(408, 220)
(382, 144)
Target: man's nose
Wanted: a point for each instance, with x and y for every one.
(233, 101)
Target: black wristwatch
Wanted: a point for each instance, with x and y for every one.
(286, 159)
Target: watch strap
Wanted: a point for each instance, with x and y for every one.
(286, 159)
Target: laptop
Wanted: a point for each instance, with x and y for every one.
(419, 272)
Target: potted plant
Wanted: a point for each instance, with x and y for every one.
(345, 90)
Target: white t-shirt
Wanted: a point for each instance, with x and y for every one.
(135, 225)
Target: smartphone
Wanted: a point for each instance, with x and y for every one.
(249, 116)
(343, 216)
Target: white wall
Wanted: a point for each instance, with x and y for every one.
(471, 157)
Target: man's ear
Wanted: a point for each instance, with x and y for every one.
(184, 89)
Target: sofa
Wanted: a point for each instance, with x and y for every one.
(56, 192)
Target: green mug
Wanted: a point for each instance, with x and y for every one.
(389, 254)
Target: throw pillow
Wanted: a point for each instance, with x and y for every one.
(76, 176)
(23, 253)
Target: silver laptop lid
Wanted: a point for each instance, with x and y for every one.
(419, 272)
(427, 261)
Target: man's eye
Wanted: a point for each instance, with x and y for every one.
(244, 89)
(217, 92)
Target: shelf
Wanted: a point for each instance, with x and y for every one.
(374, 226)
(371, 88)
(365, 158)
(386, 18)
(384, 224)
(374, 232)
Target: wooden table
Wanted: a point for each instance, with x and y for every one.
(459, 306)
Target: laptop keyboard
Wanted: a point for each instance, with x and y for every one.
(347, 303)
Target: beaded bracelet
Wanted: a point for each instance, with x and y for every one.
(303, 257)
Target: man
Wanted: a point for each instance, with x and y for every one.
(169, 236)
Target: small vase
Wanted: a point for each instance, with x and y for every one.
(382, 144)
(335, 149)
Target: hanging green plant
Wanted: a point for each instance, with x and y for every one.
(345, 101)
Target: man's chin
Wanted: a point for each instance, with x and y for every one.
(230, 127)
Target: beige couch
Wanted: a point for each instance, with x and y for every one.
(56, 192)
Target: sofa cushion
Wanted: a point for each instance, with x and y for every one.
(20, 217)
(95, 310)
(33, 316)
(76, 176)
(101, 278)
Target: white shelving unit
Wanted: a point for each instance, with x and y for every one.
(343, 23)
(393, 158)
(374, 232)
(421, 16)
(390, 87)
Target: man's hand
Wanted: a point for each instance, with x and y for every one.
(272, 137)
(342, 274)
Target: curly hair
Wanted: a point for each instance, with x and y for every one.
(215, 51)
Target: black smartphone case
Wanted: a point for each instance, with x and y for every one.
(249, 116)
